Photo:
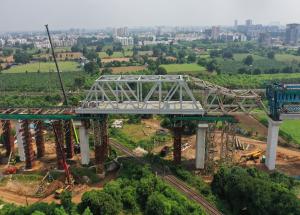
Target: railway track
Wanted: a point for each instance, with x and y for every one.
(173, 181)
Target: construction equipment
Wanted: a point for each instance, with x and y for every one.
(252, 155)
(60, 81)
(58, 192)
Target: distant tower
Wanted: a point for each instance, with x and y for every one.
(249, 22)
(292, 34)
(235, 23)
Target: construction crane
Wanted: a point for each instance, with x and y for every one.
(60, 81)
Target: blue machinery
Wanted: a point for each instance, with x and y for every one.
(283, 99)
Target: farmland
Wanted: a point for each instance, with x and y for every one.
(184, 68)
(115, 54)
(65, 66)
(287, 57)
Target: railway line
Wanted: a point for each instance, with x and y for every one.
(173, 181)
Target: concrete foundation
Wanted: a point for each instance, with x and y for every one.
(177, 132)
(8, 139)
(200, 145)
(20, 142)
(84, 144)
(101, 144)
(39, 139)
(272, 142)
(69, 138)
(59, 144)
(28, 147)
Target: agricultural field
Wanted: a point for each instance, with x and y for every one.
(65, 66)
(116, 54)
(184, 68)
(287, 57)
(250, 81)
(242, 56)
(127, 69)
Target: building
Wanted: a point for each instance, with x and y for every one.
(215, 32)
(249, 22)
(236, 24)
(265, 39)
(125, 41)
(292, 34)
(121, 32)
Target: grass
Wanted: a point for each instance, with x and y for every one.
(137, 132)
(64, 66)
(287, 57)
(116, 54)
(183, 68)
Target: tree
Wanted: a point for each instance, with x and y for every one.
(211, 66)
(271, 55)
(257, 71)
(214, 53)
(91, 68)
(248, 60)
(117, 47)
(87, 211)
(99, 48)
(91, 55)
(191, 58)
(109, 52)
(158, 204)
(298, 51)
(21, 57)
(227, 55)
(99, 202)
(161, 71)
(66, 201)
(7, 52)
(106, 71)
(202, 62)
(79, 82)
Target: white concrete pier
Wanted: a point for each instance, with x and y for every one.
(200, 145)
(272, 142)
(20, 141)
(84, 145)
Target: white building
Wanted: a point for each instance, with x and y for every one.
(2, 42)
(125, 41)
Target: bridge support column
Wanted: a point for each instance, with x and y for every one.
(177, 131)
(20, 142)
(39, 139)
(59, 143)
(272, 142)
(200, 145)
(69, 138)
(84, 143)
(28, 148)
(8, 139)
(101, 144)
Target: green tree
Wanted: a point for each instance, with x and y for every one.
(66, 201)
(191, 57)
(21, 57)
(7, 52)
(99, 202)
(61, 211)
(158, 204)
(214, 53)
(227, 55)
(79, 82)
(109, 52)
(248, 60)
(211, 66)
(38, 213)
(271, 55)
(87, 211)
(91, 68)
(161, 71)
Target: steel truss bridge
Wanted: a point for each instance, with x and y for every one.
(166, 94)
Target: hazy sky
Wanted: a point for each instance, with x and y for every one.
(93, 14)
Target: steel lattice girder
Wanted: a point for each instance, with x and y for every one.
(143, 94)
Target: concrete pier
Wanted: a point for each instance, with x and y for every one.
(84, 144)
(272, 142)
(200, 145)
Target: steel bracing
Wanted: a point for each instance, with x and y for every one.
(164, 94)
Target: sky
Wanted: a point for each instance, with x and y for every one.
(26, 15)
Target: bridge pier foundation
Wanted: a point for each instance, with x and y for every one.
(28, 148)
(84, 143)
(272, 142)
(8, 139)
(201, 145)
(20, 142)
(101, 144)
(39, 139)
(177, 132)
(59, 143)
(69, 138)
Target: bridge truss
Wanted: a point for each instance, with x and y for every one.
(165, 94)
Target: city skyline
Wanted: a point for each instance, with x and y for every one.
(91, 14)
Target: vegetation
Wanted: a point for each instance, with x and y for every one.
(250, 191)
(181, 68)
(65, 66)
